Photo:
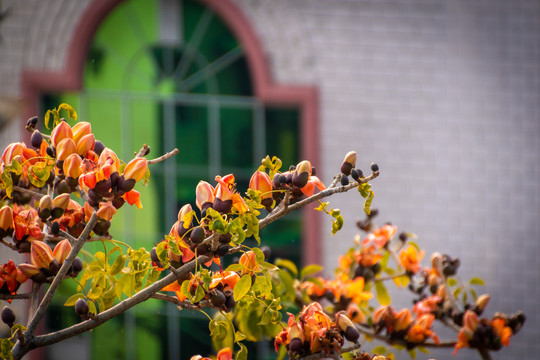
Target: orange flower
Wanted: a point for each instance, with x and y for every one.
(10, 278)
(62, 250)
(6, 221)
(176, 287)
(226, 197)
(225, 354)
(80, 130)
(410, 259)
(60, 132)
(204, 194)
(26, 223)
(72, 166)
(133, 197)
(421, 330)
(249, 261)
(65, 148)
(380, 236)
(106, 211)
(260, 181)
(369, 256)
(402, 319)
(355, 291)
(504, 332)
(136, 169)
(225, 278)
(41, 254)
(85, 144)
(427, 305)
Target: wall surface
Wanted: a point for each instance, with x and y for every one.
(443, 95)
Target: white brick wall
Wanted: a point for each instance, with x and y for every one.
(443, 95)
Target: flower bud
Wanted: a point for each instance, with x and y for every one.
(482, 302)
(81, 308)
(348, 163)
(61, 132)
(402, 320)
(225, 354)
(85, 144)
(197, 235)
(296, 332)
(80, 130)
(11, 151)
(36, 139)
(355, 314)
(470, 320)
(41, 255)
(345, 324)
(65, 148)
(133, 197)
(204, 195)
(260, 181)
(59, 205)
(301, 174)
(8, 316)
(136, 169)
(29, 270)
(72, 166)
(6, 221)
(106, 211)
(249, 261)
(62, 250)
(108, 158)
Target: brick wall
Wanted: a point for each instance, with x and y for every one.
(445, 97)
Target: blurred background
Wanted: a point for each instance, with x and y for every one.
(443, 95)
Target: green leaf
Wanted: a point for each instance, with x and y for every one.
(268, 266)
(73, 299)
(242, 287)
(382, 294)
(477, 281)
(310, 270)
(258, 254)
(7, 183)
(242, 353)
(422, 349)
(238, 336)
(92, 308)
(412, 353)
(282, 352)
(117, 266)
(235, 267)
(71, 112)
(5, 349)
(379, 350)
(287, 264)
(451, 281)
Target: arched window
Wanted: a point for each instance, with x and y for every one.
(171, 73)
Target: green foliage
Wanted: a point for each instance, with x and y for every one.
(366, 193)
(56, 114)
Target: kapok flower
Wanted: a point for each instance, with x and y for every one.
(10, 278)
(380, 236)
(136, 169)
(85, 144)
(81, 129)
(62, 250)
(108, 161)
(41, 255)
(427, 306)
(106, 211)
(348, 163)
(420, 331)
(410, 259)
(133, 197)
(368, 256)
(402, 319)
(224, 278)
(72, 166)
(6, 221)
(226, 197)
(60, 132)
(26, 223)
(249, 261)
(260, 181)
(355, 291)
(204, 194)
(355, 314)
(225, 354)
(65, 148)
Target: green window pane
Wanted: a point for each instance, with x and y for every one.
(283, 134)
(236, 127)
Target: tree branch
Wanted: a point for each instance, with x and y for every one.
(273, 216)
(28, 191)
(321, 354)
(33, 342)
(61, 274)
(163, 157)
(14, 296)
(11, 246)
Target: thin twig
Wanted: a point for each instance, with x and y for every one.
(163, 157)
(321, 354)
(484, 354)
(14, 296)
(183, 304)
(43, 340)
(390, 277)
(273, 216)
(438, 265)
(442, 344)
(11, 246)
(28, 191)
(61, 274)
